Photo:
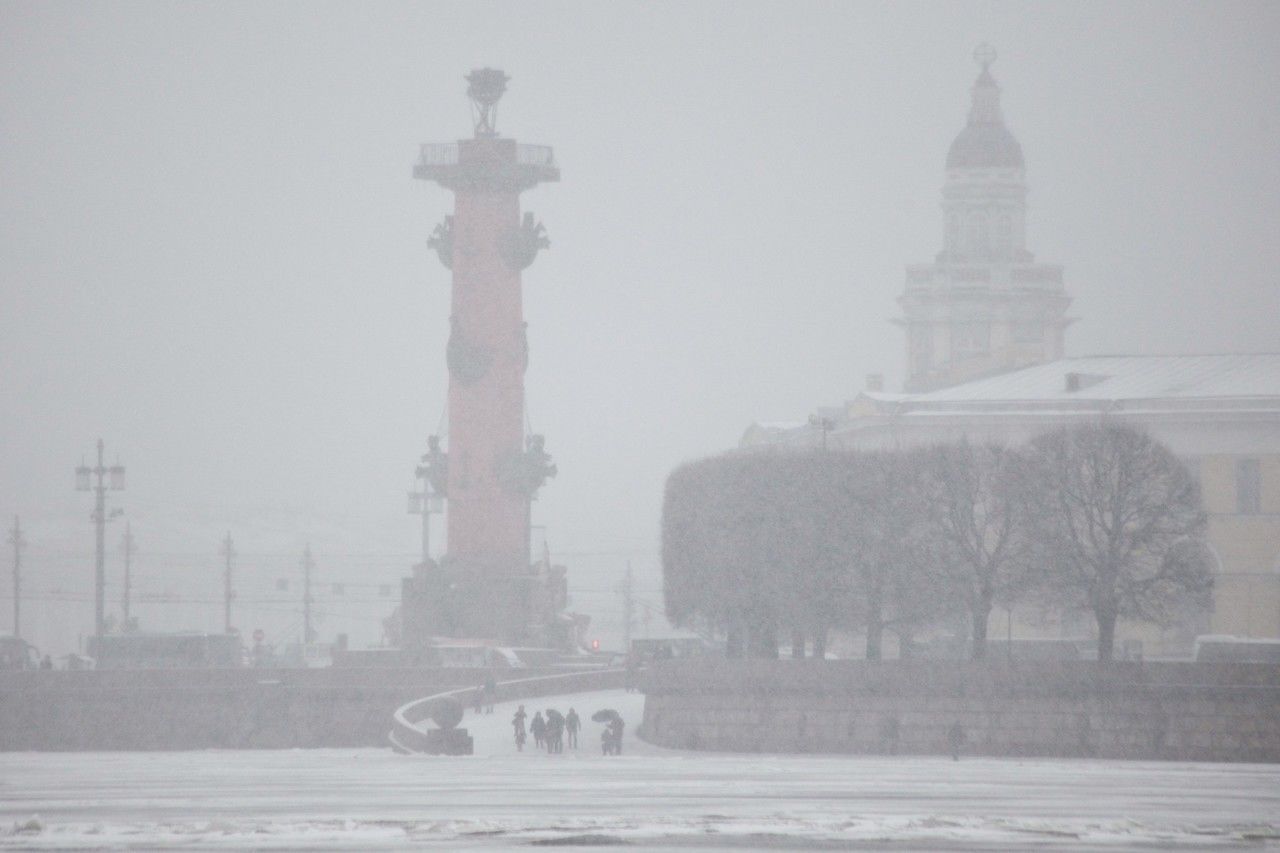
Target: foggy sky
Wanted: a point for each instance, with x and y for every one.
(212, 253)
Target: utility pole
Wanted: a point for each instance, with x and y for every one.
(129, 547)
(229, 553)
(15, 538)
(115, 477)
(628, 605)
(308, 636)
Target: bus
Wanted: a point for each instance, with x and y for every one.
(188, 650)
(17, 653)
(1220, 648)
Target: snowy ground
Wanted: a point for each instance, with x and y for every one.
(647, 798)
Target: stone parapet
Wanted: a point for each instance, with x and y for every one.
(217, 708)
(1201, 712)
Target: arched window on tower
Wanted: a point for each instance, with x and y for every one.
(1004, 232)
(980, 238)
(921, 344)
(970, 338)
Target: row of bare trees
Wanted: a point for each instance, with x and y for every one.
(1100, 518)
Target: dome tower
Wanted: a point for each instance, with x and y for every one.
(984, 305)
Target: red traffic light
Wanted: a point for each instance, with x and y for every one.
(595, 645)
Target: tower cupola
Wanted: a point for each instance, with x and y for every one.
(985, 142)
(984, 305)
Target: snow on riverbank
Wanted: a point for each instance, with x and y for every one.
(648, 797)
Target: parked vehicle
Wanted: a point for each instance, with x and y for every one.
(16, 653)
(1220, 648)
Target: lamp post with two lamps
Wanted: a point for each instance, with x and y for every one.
(434, 474)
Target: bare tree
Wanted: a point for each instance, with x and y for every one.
(730, 551)
(759, 543)
(886, 543)
(977, 529)
(1119, 523)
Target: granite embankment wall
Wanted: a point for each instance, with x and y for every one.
(216, 708)
(1184, 711)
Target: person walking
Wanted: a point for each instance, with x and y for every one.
(572, 724)
(517, 723)
(615, 735)
(538, 728)
(555, 731)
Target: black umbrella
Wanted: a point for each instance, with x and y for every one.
(605, 715)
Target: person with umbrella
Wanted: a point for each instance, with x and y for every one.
(611, 737)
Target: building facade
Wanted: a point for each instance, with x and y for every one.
(984, 326)
(1219, 413)
(984, 305)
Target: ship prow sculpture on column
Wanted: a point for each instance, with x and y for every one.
(487, 587)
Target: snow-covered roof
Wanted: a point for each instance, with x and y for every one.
(780, 425)
(1122, 377)
(1137, 386)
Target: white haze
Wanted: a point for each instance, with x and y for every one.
(213, 256)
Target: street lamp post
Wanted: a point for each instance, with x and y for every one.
(426, 504)
(429, 501)
(112, 478)
(822, 423)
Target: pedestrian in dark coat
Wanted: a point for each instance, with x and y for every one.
(538, 728)
(615, 735)
(555, 731)
(571, 725)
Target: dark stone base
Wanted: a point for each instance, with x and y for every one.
(449, 742)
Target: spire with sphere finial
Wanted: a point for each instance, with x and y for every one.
(986, 94)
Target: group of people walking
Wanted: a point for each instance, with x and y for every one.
(550, 731)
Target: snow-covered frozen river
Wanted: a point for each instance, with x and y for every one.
(647, 798)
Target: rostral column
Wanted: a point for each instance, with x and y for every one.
(490, 471)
